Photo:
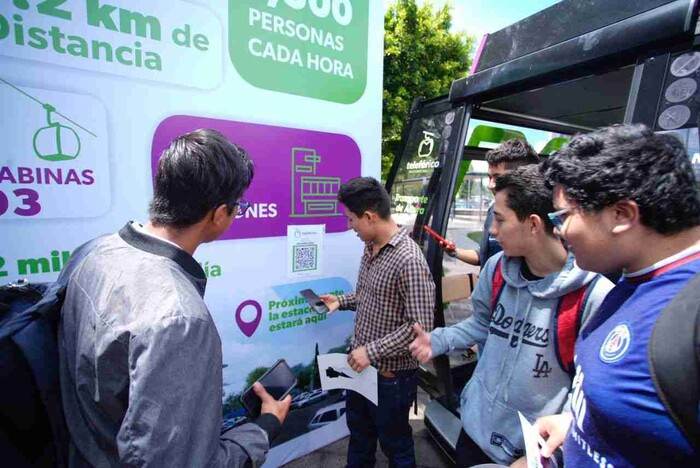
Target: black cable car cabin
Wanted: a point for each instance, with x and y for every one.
(573, 67)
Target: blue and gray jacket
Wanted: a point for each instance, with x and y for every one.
(518, 369)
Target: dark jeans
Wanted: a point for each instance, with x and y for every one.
(388, 421)
(468, 453)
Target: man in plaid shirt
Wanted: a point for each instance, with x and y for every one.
(394, 290)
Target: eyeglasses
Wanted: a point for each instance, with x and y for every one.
(558, 218)
(242, 205)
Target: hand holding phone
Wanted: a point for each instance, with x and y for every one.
(449, 246)
(278, 381)
(315, 302)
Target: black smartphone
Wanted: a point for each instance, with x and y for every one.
(314, 301)
(278, 382)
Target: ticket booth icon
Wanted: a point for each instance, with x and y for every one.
(313, 195)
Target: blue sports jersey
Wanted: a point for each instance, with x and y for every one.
(618, 419)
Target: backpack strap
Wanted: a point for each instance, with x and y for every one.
(568, 324)
(497, 284)
(674, 354)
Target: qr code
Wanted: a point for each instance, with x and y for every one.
(304, 257)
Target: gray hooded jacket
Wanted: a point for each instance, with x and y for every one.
(141, 362)
(518, 369)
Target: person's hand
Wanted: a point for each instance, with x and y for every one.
(449, 247)
(331, 302)
(278, 409)
(420, 347)
(358, 359)
(553, 429)
(519, 463)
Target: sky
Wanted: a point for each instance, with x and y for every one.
(479, 17)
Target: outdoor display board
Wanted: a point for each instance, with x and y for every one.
(92, 91)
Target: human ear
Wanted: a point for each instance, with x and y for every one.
(536, 224)
(221, 214)
(624, 215)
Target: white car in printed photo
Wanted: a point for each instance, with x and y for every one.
(327, 415)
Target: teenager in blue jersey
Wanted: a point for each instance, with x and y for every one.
(627, 199)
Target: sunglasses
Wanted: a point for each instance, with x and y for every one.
(558, 218)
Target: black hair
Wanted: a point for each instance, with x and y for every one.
(512, 154)
(365, 194)
(198, 172)
(629, 162)
(528, 194)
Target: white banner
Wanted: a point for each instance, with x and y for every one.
(93, 90)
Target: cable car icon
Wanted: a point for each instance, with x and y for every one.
(55, 141)
(425, 149)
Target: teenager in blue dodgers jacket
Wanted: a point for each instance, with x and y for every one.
(394, 290)
(627, 199)
(521, 327)
(139, 352)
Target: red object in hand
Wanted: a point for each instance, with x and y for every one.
(443, 242)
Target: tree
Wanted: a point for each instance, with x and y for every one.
(316, 374)
(304, 375)
(421, 59)
(254, 375)
(232, 403)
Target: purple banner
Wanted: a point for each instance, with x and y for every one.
(297, 173)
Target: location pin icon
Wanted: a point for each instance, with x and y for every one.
(248, 328)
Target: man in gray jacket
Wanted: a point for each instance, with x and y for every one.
(528, 305)
(140, 356)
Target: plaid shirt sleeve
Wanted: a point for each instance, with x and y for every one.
(417, 289)
(347, 302)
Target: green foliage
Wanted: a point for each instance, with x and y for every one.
(254, 375)
(421, 59)
(304, 375)
(232, 403)
(316, 374)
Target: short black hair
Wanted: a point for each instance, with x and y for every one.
(629, 162)
(528, 194)
(365, 194)
(512, 154)
(198, 172)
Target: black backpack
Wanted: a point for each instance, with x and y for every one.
(674, 360)
(32, 426)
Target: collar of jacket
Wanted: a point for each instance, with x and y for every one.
(156, 246)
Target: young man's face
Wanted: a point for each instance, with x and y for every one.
(586, 235)
(511, 233)
(361, 225)
(494, 172)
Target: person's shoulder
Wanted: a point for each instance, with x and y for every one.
(409, 249)
(493, 262)
(600, 284)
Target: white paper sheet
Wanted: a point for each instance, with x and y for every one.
(337, 373)
(533, 442)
